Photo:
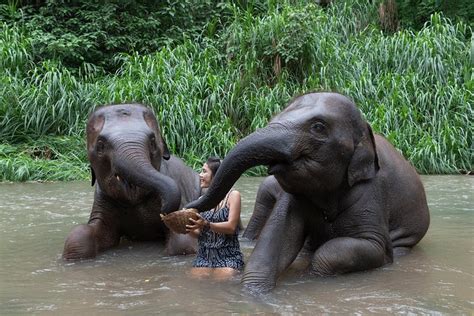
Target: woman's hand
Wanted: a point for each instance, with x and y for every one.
(196, 225)
(227, 227)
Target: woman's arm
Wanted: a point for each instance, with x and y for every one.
(227, 227)
(230, 226)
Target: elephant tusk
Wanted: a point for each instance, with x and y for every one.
(118, 178)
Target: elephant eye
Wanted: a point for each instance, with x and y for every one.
(318, 127)
(153, 143)
(100, 147)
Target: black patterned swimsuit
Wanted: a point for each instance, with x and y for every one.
(218, 250)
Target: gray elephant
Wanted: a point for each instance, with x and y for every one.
(136, 179)
(347, 194)
(267, 194)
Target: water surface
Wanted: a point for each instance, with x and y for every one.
(137, 278)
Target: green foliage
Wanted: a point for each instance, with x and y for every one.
(81, 31)
(415, 13)
(286, 43)
(50, 101)
(266, 44)
(414, 87)
(52, 158)
(15, 50)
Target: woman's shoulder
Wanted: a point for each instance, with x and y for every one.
(233, 198)
(234, 194)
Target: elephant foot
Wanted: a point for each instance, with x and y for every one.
(401, 251)
(256, 285)
(80, 244)
(346, 254)
(179, 244)
(319, 273)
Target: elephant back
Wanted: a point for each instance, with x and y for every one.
(403, 193)
(186, 178)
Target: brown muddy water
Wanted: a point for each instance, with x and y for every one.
(138, 278)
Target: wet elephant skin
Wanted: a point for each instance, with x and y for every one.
(135, 180)
(337, 189)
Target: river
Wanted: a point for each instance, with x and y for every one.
(436, 278)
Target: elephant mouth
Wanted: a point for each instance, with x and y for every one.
(132, 192)
(278, 168)
(292, 165)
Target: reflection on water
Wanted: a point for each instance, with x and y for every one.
(436, 278)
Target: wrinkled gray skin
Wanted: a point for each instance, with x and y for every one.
(136, 178)
(267, 194)
(347, 195)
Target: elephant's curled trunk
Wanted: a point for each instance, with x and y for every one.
(266, 146)
(133, 164)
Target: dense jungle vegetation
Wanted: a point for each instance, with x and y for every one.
(214, 71)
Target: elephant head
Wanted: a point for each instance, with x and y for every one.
(317, 145)
(125, 149)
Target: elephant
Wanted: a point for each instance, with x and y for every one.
(267, 194)
(135, 179)
(347, 194)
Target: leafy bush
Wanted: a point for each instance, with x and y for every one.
(415, 13)
(414, 87)
(53, 158)
(81, 31)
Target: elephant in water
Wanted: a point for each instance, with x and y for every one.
(267, 194)
(135, 179)
(345, 194)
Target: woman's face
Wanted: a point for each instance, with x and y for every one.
(205, 176)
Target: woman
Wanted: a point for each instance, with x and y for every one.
(217, 230)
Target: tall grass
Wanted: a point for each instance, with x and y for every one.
(51, 158)
(416, 88)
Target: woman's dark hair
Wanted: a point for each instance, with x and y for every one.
(213, 163)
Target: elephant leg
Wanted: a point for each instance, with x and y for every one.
(304, 258)
(403, 241)
(81, 243)
(264, 203)
(179, 244)
(85, 241)
(278, 245)
(344, 254)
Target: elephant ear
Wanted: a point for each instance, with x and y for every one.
(94, 127)
(364, 163)
(92, 176)
(150, 120)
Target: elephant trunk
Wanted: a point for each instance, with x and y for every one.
(267, 146)
(132, 163)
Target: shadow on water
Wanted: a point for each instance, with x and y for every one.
(435, 278)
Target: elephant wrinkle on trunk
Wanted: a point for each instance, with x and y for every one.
(135, 179)
(140, 173)
(344, 194)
